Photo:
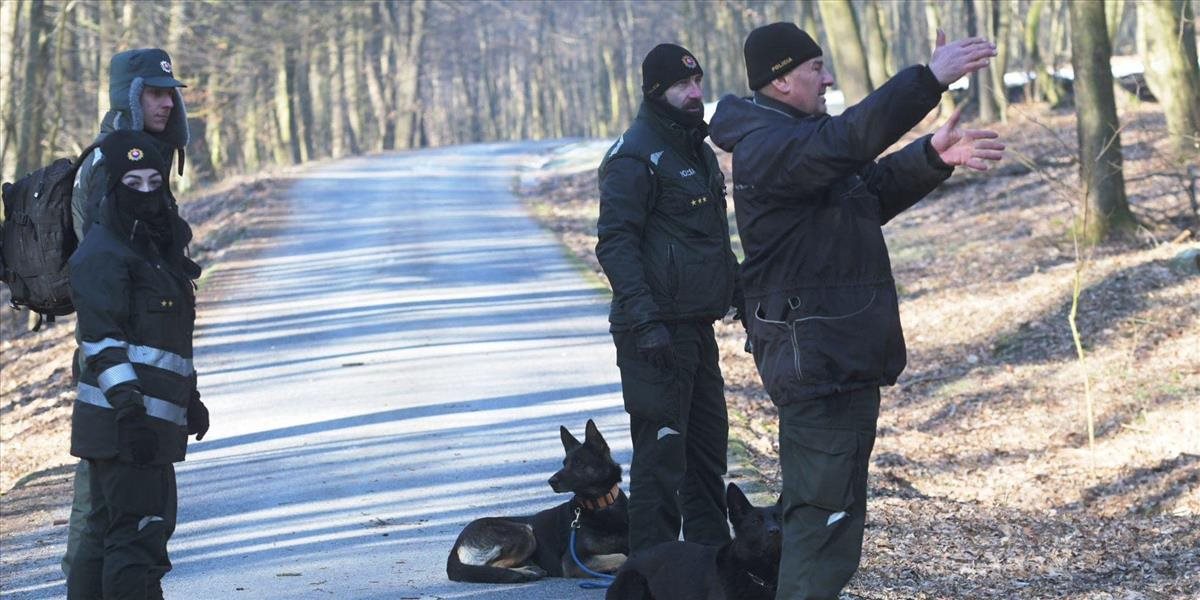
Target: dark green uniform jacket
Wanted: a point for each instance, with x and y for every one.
(810, 200)
(136, 310)
(663, 235)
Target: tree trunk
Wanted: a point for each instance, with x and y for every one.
(287, 147)
(337, 98)
(59, 82)
(981, 14)
(1105, 209)
(29, 124)
(1002, 34)
(199, 165)
(877, 45)
(849, 56)
(408, 74)
(8, 108)
(1113, 11)
(1167, 43)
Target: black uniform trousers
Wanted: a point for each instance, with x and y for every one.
(680, 433)
(123, 551)
(824, 451)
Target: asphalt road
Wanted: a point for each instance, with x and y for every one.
(393, 364)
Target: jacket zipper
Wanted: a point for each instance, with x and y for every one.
(673, 270)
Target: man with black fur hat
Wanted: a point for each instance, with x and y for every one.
(143, 96)
(664, 244)
(136, 404)
(821, 305)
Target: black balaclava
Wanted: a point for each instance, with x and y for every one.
(125, 150)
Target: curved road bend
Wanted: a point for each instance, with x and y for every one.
(394, 364)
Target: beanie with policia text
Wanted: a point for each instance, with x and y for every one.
(774, 50)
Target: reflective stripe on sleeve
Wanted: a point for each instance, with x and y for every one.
(155, 407)
(94, 348)
(168, 361)
(143, 355)
(116, 375)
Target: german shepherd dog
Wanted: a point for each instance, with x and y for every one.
(746, 568)
(520, 549)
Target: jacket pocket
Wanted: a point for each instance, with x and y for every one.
(839, 335)
(774, 354)
(822, 466)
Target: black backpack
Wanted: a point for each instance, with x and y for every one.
(37, 238)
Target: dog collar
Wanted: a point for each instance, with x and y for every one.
(602, 502)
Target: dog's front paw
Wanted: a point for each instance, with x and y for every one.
(531, 572)
(606, 563)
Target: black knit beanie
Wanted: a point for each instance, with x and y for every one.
(774, 50)
(664, 65)
(125, 150)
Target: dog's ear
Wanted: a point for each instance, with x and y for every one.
(592, 436)
(738, 505)
(568, 440)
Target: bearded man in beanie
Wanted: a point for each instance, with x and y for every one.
(821, 305)
(143, 96)
(664, 245)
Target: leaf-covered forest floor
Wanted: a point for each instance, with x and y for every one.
(982, 481)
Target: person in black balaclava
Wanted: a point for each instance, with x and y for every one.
(135, 184)
(137, 402)
(664, 245)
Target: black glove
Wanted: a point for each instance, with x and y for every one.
(197, 416)
(135, 439)
(654, 344)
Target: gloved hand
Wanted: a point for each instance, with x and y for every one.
(135, 438)
(197, 416)
(654, 344)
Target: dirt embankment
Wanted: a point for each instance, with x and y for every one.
(983, 483)
(36, 390)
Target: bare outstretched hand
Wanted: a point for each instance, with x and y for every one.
(961, 57)
(975, 149)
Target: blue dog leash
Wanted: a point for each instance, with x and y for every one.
(606, 580)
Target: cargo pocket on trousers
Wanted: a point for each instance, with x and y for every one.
(137, 490)
(824, 466)
(649, 392)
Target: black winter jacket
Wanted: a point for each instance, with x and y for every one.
(663, 234)
(136, 312)
(810, 201)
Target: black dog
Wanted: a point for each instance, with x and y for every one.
(518, 549)
(746, 568)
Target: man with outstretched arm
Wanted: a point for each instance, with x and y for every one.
(821, 306)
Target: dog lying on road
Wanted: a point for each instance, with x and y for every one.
(746, 568)
(519, 549)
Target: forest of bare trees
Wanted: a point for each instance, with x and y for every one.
(278, 83)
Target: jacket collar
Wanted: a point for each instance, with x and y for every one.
(766, 101)
(682, 138)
